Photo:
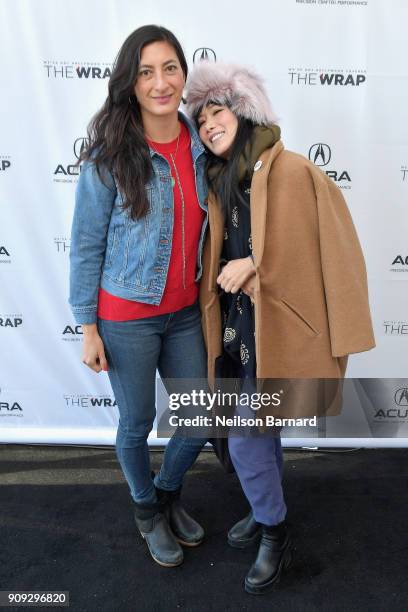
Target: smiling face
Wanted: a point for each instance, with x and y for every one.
(217, 128)
(160, 81)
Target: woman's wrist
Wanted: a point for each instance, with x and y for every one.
(89, 329)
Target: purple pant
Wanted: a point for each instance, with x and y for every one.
(258, 461)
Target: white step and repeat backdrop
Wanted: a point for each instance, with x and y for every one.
(337, 75)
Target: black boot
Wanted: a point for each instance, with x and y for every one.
(274, 555)
(155, 529)
(184, 527)
(245, 532)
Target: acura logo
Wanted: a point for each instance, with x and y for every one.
(204, 54)
(80, 145)
(401, 397)
(320, 154)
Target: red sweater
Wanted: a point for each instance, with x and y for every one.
(175, 296)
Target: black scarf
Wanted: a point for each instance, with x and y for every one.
(237, 309)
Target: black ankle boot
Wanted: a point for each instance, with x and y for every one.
(154, 528)
(186, 530)
(245, 532)
(274, 555)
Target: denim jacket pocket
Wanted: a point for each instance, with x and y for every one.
(133, 250)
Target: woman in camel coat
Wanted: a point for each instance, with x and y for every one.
(310, 297)
(284, 287)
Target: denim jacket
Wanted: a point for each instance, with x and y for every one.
(127, 258)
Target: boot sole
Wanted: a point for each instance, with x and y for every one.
(245, 543)
(162, 563)
(189, 544)
(262, 588)
(166, 564)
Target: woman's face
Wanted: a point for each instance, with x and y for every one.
(160, 81)
(217, 128)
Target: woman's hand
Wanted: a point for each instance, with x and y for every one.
(235, 274)
(249, 288)
(93, 350)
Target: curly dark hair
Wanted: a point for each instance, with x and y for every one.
(115, 133)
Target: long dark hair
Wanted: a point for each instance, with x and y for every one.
(222, 174)
(115, 133)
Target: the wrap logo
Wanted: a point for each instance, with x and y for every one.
(72, 333)
(5, 162)
(404, 173)
(69, 173)
(321, 154)
(396, 328)
(5, 256)
(77, 70)
(89, 401)
(399, 264)
(204, 54)
(62, 244)
(10, 320)
(325, 77)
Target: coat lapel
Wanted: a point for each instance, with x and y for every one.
(259, 199)
(258, 204)
(216, 223)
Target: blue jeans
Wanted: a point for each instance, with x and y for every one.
(172, 344)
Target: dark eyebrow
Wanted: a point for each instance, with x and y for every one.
(164, 64)
(209, 105)
(212, 104)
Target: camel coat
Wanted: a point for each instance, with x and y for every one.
(311, 298)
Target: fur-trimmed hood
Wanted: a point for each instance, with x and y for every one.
(238, 87)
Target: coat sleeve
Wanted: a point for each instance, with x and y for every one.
(344, 271)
